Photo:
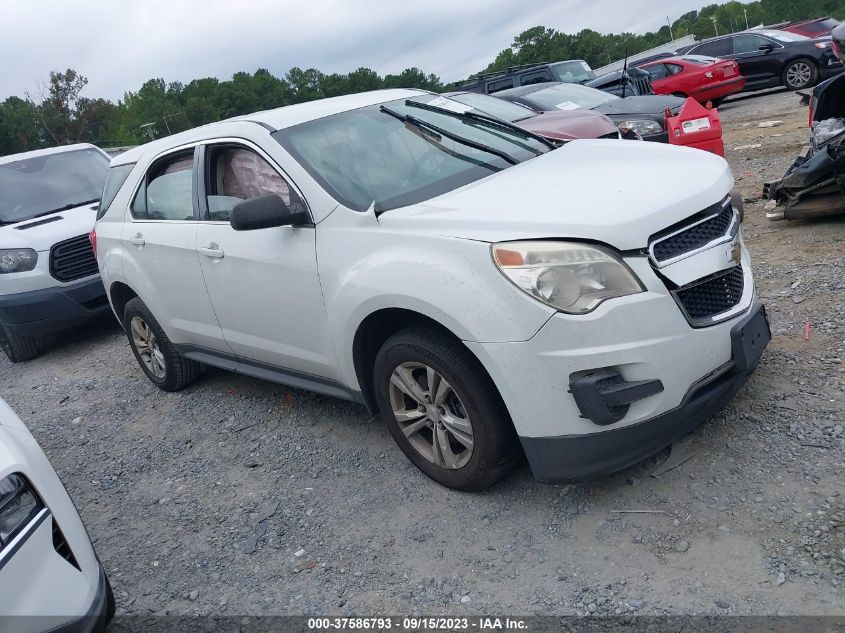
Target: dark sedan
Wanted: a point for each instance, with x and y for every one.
(770, 58)
(644, 115)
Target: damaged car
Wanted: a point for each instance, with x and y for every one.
(814, 185)
(488, 293)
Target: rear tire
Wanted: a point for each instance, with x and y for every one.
(154, 352)
(800, 73)
(17, 348)
(451, 402)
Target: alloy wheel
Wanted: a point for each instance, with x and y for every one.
(145, 342)
(798, 75)
(431, 415)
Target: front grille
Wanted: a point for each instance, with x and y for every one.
(73, 259)
(643, 85)
(696, 236)
(711, 296)
(61, 545)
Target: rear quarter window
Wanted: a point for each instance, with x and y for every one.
(114, 181)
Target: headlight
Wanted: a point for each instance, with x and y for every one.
(571, 277)
(17, 260)
(823, 44)
(18, 504)
(641, 127)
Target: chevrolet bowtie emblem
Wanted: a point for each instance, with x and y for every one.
(736, 253)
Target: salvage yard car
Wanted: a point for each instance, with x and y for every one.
(814, 185)
(702, 78)
(644, 115)
(771, 58)
(48, 275)
(50, 577)
(489, 294)
(555, 126)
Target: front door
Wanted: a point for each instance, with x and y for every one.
(756, 65)
(263, 284)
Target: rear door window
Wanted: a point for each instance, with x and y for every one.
(657, 71)
(716, 48)
(167, 192)
(500, 84)
(535, 78)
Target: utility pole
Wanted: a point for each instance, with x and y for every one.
(745, 11)
(149, 129)
(671, 35)
(715, 26)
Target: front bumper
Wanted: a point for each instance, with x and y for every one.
(830, 70)
(99, 614)
(567, 458)
(42, 312)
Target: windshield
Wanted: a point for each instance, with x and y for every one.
(785, 36)
(569, 97)
(370, 157)
(573, 72)
(37, 186)
(499, 108)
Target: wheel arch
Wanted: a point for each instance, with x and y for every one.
(379, 326)
(120, 294)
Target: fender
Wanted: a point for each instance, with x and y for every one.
(483, 306)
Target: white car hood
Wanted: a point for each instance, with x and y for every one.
(42, 233)
(615, 192)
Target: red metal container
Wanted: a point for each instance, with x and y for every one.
(696, 126)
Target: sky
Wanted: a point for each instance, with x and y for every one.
(119, 44)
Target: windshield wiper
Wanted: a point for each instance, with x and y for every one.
(430, 127)
(486, 118)
(67, 207)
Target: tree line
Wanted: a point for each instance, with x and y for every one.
(64, 114)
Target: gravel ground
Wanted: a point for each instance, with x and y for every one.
(237, 496)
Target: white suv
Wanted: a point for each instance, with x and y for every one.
(490, 295)
(48, 275)
(50, 576)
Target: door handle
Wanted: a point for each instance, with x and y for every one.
(137, 240)
(212, 250)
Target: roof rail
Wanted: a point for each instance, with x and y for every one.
(509, 69)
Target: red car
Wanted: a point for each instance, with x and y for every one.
(702, 78)
(812, 28)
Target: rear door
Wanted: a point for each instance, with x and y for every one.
(263, 284)
(161, 263)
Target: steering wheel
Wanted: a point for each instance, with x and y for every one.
(431, 160)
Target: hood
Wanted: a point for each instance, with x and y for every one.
(645, 104)
(41, 233)
(569, 124)
(602, 190)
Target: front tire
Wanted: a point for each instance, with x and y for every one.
(443, 410)
(17, 348)
(154, 352)
(800, 73)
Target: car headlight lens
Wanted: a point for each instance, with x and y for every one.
(641, 127)
(17, 260)
(823, 44)
(18, 503)
(571, 277)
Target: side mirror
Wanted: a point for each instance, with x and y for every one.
(264, 212)
(767, 47)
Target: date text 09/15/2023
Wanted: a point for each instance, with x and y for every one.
(439, 623)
